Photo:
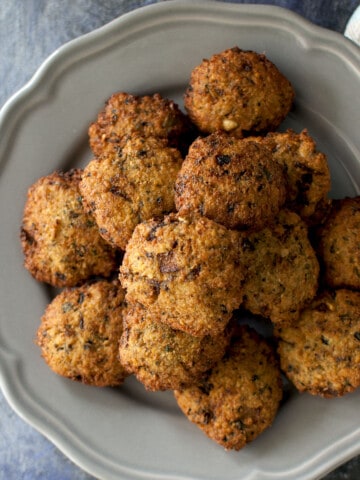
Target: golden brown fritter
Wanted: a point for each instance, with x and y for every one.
(307, 173)
(283, 270)
(130, 185)
(321, 353)
(231, 181)
(181, 265)
(80, 332)
(163, 358)
(149, 116)
(238, 91)
(61, 243)
(239, 398)
(339, 244)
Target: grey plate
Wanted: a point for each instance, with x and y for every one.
(129, 433)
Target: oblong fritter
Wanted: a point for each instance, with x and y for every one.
(163, 358)
(129, 185)
(234, 182)
(61, 242)
(320, 354)
(80, 331)
(339, 244)
(238, 91)
(148, 115)
(307, 173)
(239, 397)
(181, 265)
(282, 269)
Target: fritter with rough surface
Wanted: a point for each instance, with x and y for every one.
(239, 397)
(321, 353)
(238, 91)
(148, 116)
(129, 185)
(282, 269)
(80, 332)
(234, 182)
(163, 358)
(339, 244)
(307, 173)
(186, 270)
(61, 242)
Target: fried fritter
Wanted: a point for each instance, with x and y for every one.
(339, 244)
(149, 116)
(321, 353)
(238, 91)
(239, 398)
(283, 269)
(163, 358)
(61, 243)
(130, 185)
(307, 173)
(231, 181)
(80, 332)
(181, 265)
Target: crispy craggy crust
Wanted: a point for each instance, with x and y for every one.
(80, 331)
(181, 265)
(307, 173)
(149, 116)
(163, 358)
(231, 181)
(339, 244)
(130, 185)
(61, 243)
(283, 269)
(239, 398)
(321, 353)
(238, 91)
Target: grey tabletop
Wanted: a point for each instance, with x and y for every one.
(30, 30)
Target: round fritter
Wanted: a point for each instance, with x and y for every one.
(339, 244)
(321, 353)
(149, 116)
(80, 332)
(163, 358)
(283, 269)
(239, 398)
(307, 173)
(238, 91)
(186, 269)
(130, 185)
(232, 181)
(61, 242)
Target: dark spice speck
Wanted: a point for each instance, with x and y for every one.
(223, 159)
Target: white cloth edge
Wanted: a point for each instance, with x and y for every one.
(352, 30)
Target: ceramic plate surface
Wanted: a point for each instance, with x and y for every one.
(128, 433)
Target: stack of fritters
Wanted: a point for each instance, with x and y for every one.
(200, 231)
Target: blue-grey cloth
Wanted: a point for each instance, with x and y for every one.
(30, 30)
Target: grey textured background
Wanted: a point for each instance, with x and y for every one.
(30, 30)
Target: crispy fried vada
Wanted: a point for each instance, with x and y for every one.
(339, 244)
(149, 116)
(282, 269)
(80, 331)
(321, 353)
(239, 397)
(306, 170)
(234, 182)
(238, 91)
(129, 185)
(181, 265)
(163, 358)
(61, 243)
